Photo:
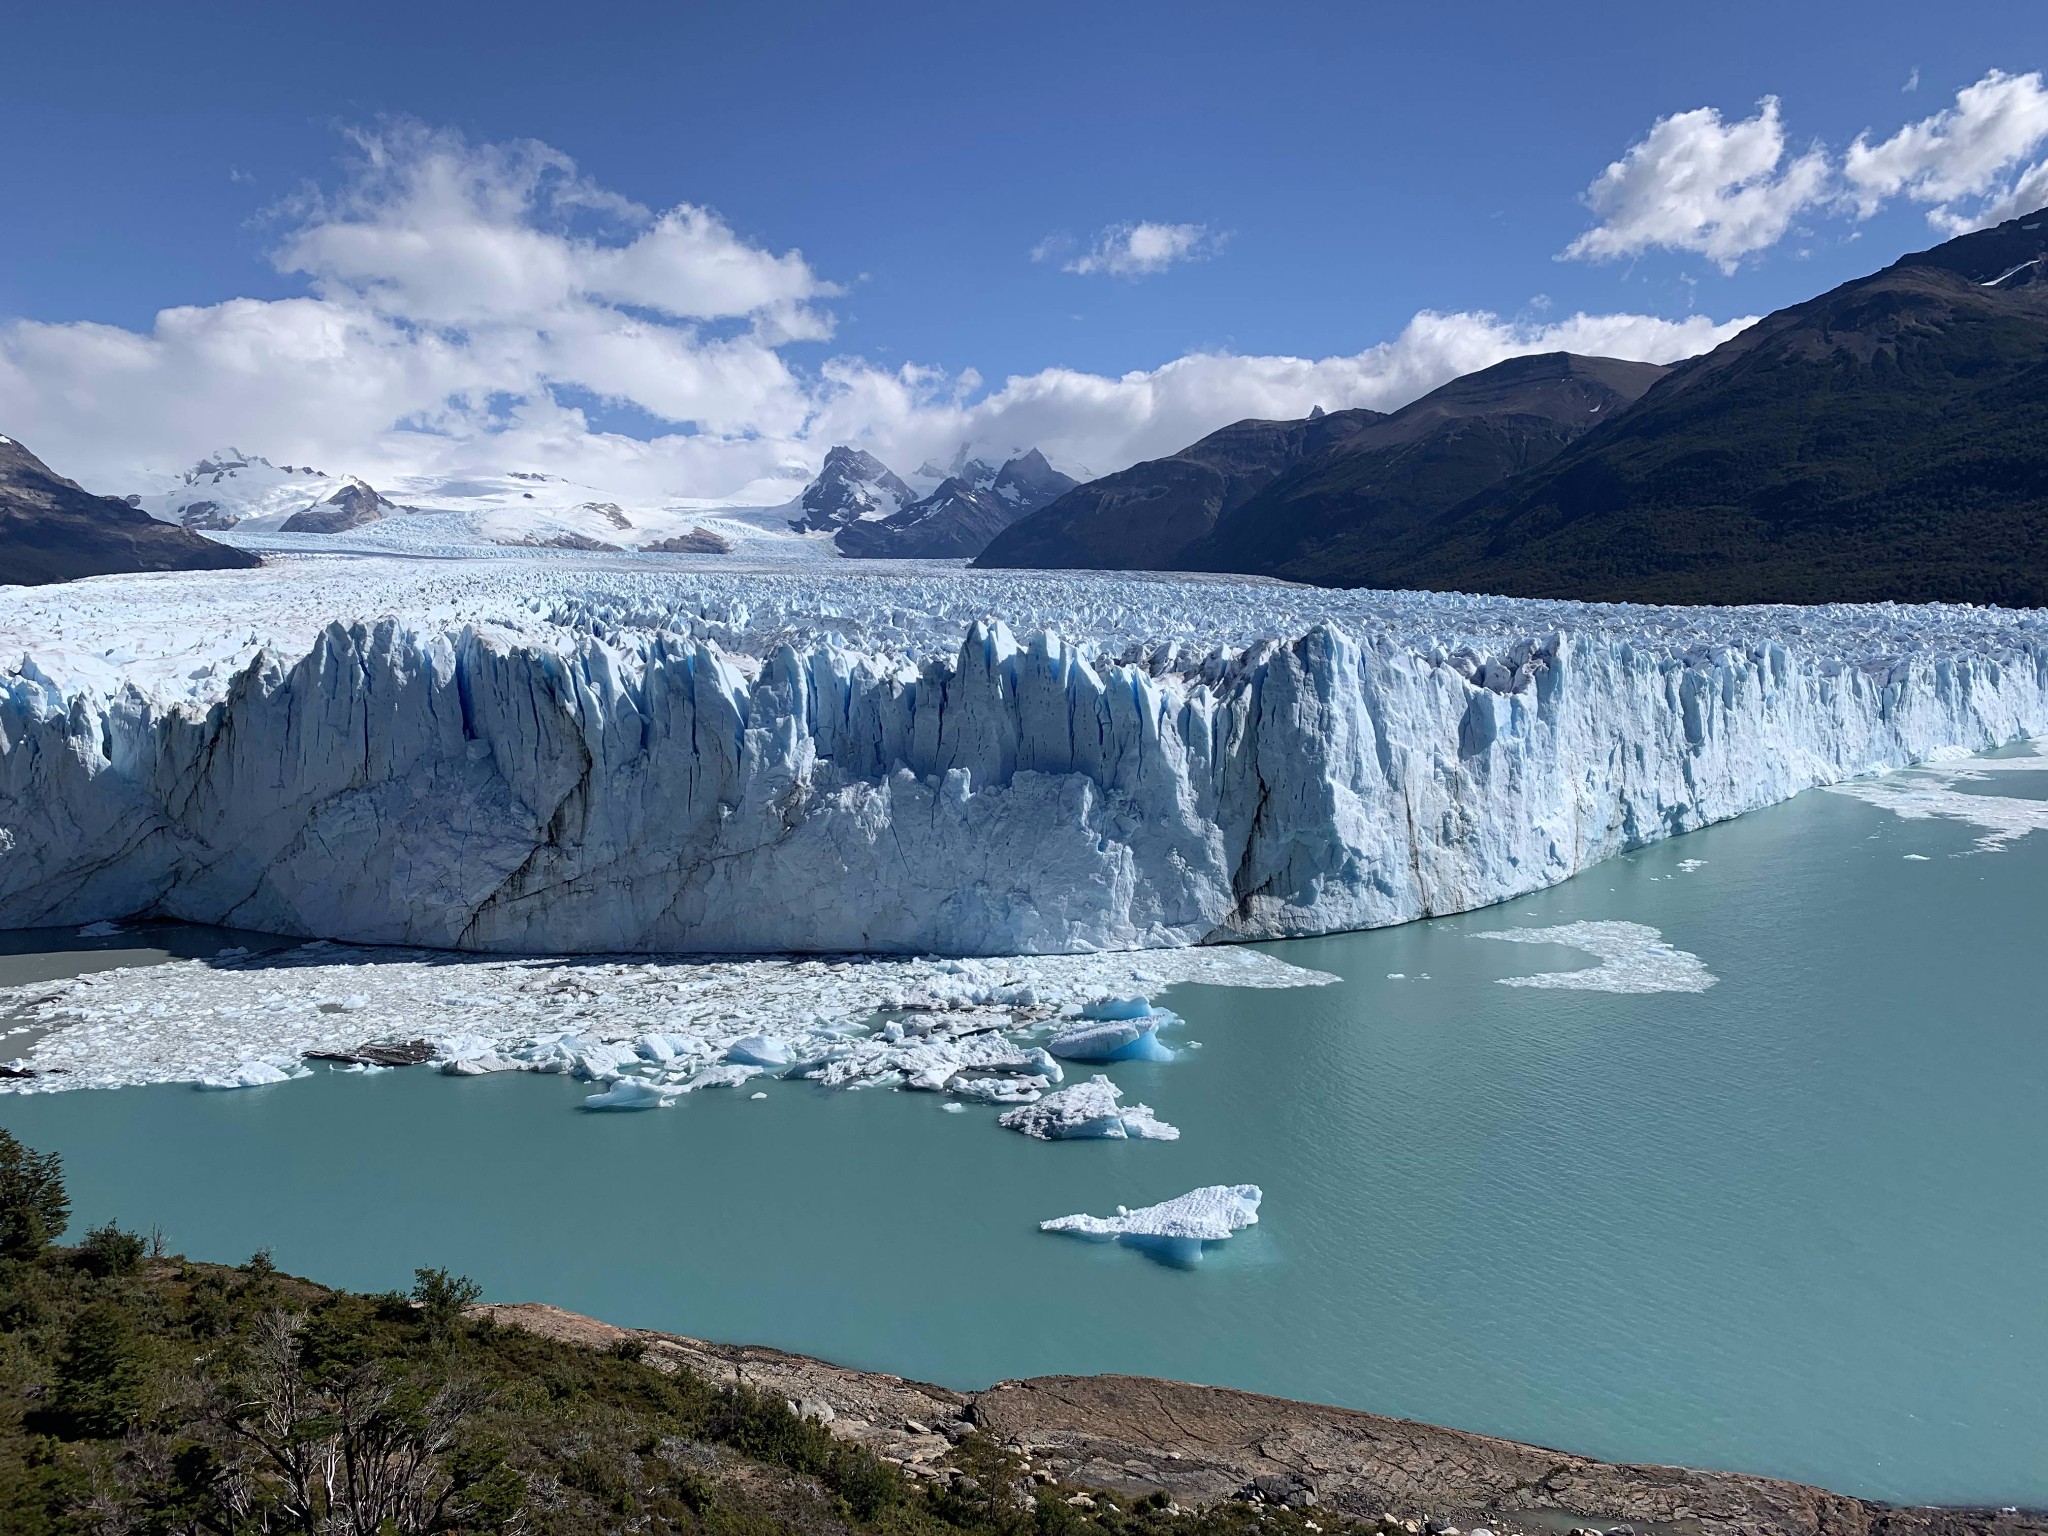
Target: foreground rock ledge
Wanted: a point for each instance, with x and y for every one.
(1205, 1444)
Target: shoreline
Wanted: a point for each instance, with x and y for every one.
(1205, 1445)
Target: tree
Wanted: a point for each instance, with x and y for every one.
(442, 1297)
(101, 1373)
(34, 1208)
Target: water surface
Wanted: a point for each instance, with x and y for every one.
(1790, 1225)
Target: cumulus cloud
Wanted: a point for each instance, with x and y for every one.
(1967, 160)
(1697, 183)
(1725, 190)
(474, 307)
(1085, 420)
(1131, 249)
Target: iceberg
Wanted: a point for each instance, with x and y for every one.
(1135, 1039)
(570, 757)
(251, 1074)
(630, 1093)
(1089, 1111)
(758, 1051)
(1174, 1231)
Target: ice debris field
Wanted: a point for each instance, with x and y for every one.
(584, 755)
(642, 1033)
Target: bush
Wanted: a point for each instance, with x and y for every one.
(442, 1298)
(34, 1208)
(108, 1252)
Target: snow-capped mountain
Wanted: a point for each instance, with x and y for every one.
(853, 486)
(959, 518)
(230, 486)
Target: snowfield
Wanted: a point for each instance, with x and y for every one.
(587, 754)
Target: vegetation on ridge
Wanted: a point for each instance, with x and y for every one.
(143, 1393)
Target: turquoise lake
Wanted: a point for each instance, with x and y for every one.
(1791, 1225)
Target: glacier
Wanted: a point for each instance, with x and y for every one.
(584, 756)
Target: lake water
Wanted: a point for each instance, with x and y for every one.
(1793, 1224)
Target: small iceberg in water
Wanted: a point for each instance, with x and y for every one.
(1173, 1231)
(629, 1093)
(251, 1074)
(1089, 1111)
(1129, 1036)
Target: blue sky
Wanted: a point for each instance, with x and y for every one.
(1323, 173)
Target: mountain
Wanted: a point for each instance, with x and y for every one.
(853, 486)
(355, 504)
(1886, 440)
(958, 519)
(1141, 518)
(52, 529)
(229, 486)
(1326, 519)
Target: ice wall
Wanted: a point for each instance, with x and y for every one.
(650, 792)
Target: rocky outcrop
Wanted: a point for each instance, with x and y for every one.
(53, 529)
(355, 504)
(1204, 1445)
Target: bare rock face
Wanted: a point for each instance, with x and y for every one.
(53, 529)
(698, 541)
(852, 486)
(355, 504)
(957, 521)
(1206, 1445)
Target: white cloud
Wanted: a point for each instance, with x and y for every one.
(1726, 190)
(462, 299)
(1104, 424)
(1696, 183)
(1966, 152)
(1132, 249)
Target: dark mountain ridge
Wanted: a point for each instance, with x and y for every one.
(1887, 440)
(1141, 518)
(53, 529)
(1328, 514)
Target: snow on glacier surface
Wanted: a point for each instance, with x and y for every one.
(581, 754)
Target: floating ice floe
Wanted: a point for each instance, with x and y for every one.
(1927, 793)
(1633, 958)
(1088, 1111)
(101, 930)
(1173, 1231)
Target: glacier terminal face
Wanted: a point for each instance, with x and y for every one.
(583, 755)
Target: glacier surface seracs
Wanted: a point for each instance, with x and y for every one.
(586, 757)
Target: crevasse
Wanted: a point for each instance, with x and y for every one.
(650, 792)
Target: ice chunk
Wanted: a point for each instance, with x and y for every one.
(1173, 1231)
(252, 1074)
(1106, 1008)
(99, 930)
(730, 1076)
(630, 1093)
(1088, 1111)
(758, 1051)
(1116, 1040)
